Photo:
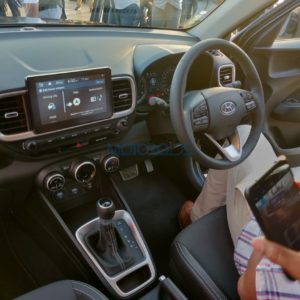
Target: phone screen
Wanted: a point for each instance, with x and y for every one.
(278, 207)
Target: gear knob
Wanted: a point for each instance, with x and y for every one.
(105, 209)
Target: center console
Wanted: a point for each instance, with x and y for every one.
(104, 229)
(74, 120)
(80, 113)
(113, 243)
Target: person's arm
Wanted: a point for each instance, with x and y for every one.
(288, 259)
(246, 283)
(31, 8)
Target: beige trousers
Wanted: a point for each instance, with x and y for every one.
(226, 187)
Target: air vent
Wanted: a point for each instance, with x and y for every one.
(226, 75)
(122, 95)
(12, 115)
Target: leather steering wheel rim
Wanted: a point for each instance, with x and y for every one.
(183, 105)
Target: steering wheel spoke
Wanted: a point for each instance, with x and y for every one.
(231, 149)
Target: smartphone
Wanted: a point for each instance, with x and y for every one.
(275, 202)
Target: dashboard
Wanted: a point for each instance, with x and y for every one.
(65, 91)
(75, 106)
(154, 79)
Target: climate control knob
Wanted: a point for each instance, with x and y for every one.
(84, 171)
(111, 163)
(54, 182)
(122, 125)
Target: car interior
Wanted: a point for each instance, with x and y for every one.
(106, 130)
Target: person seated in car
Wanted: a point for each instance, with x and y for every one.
(261, 270)
(166, 13)
(226, 187)
(124, 12)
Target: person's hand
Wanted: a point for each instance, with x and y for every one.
(246, 283)
(288, 259)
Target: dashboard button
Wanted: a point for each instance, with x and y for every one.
(60, 195)
(65, 168)
(111, 163)
(49, 140)
(96, 130)
(54, 182)
(84, 132)
(75, 190)
(74, 135)
(107, 127)
(30, 145)
(62, 138)
(84, 171)
(100, 139)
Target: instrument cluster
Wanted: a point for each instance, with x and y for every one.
(156, 80)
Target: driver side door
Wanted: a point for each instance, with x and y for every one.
(273, 43)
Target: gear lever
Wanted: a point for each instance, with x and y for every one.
(105, 210)
(112, 250)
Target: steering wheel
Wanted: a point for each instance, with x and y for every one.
(216, 112)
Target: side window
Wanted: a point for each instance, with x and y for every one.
(291, 26)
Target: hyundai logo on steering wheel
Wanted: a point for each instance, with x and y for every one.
(228, 108)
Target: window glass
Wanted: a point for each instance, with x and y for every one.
(291, 26)
(173, 14)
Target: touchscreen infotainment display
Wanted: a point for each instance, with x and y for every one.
(68, 99)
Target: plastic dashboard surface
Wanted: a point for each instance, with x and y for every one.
(48, 50)
(146, 58)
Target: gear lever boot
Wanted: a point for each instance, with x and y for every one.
(110, 245)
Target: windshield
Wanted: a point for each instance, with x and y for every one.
(172, 14)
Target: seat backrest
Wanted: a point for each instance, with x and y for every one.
(202, 259)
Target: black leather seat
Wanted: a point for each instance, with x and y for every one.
(64, 290)
(202, 259)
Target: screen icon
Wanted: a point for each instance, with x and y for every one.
(96, 98)
(51, 106)
(76, 102)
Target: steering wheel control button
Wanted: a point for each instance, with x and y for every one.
(54, 182)
(249, 100)
(111, 163)
(201, 121)
(84, 172)
(200, 116)
(200, 111)
(250, 105)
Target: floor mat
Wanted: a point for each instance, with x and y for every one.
(155, 202)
